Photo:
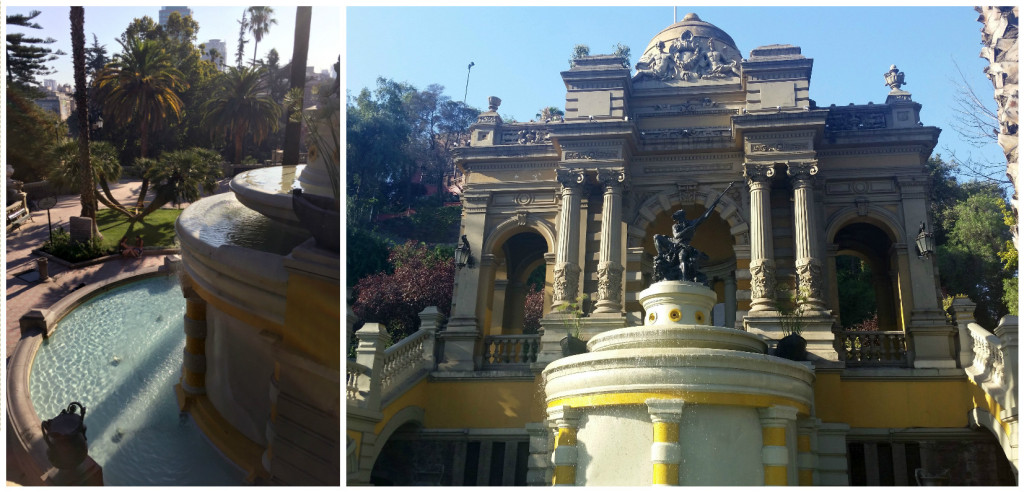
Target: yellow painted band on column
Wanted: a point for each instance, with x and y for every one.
(195, 380)
(195, 309)
(775, 475)
(774, 436)
(566, 437)
(806, 477)
(665, 474)
(564, 475)
(195, 345)
(803, 444)
(666, 432)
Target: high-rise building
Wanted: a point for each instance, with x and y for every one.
(222, 50)
(165, 13)
(50, 84)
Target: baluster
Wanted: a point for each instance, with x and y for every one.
(506, 351)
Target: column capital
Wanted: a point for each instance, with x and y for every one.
(570, 178)
(665, 410)
(564, 416)
(777, 415)
(758, 173)
(802, 171)
(611, 178)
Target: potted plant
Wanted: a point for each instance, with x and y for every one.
(792, 346)
(572, 344)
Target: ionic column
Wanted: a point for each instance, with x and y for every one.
(665, 453)
(762, 251)
(805, 234)
(564, 458)
(609, 268)
(567, 269)
(775, 454)
(807, 456)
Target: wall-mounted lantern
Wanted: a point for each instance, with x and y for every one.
(462, 253)
(925, 243)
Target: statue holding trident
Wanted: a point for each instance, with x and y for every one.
(677, 259)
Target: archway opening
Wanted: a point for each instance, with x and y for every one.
(866, 279)
(522, 270)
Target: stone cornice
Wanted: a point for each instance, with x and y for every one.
(761, 120)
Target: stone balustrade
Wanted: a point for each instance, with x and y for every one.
(354, 371)
(993, 368)
(403, 360)
(874, 348)
(508, 350)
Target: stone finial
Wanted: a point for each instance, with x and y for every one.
(493, 102)
(894, 78)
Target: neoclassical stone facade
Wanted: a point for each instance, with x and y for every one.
(581, 197)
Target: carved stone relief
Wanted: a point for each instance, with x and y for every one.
(809, 272)
(688, 58)
(762, 280)
(609, 282)
(567, 277)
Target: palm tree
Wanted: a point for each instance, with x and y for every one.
(260, 20)
(87, 188)
(180, 175)
(103, 168)
(240, 105)
(300, 49)
(141, 86)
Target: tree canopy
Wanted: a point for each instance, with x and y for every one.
(28, 56)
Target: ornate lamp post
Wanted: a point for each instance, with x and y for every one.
(68, 451)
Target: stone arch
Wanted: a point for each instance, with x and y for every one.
(876, 216)
(666, 200)
(407, 415)
(520, 222)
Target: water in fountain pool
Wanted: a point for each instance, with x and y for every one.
(120, 354)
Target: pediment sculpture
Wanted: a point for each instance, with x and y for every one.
(688, 58)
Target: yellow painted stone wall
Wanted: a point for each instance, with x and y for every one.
(895, 404)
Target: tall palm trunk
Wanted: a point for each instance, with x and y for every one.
(293, 130)
(143, 148)
(88, 189)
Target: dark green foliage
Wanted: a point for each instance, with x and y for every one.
(366, 254)
(430, 224)
(31, 133)
(64, 248)
(856, 293)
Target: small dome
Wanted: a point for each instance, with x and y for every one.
(697, 28)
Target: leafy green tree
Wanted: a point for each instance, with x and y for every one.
(27, 56)
(240, 106)
(243, 25)
(181, 175)
(260, 20)
(31, 133)
(623, 51)
(969, 261)
(66, 171)
(438, 125)
(141, 87)
(856, 291)
(95, 57)
(548, 113)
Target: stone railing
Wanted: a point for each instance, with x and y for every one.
(508, 350)
(377, 373)
(353, 372)
(873, 348)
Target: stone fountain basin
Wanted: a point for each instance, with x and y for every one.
(700, 375)
(673, 336)
(268, 191)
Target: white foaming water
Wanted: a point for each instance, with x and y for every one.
(120, 354)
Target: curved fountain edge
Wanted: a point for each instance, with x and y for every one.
(24, 422)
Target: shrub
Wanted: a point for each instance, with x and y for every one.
(64, 248)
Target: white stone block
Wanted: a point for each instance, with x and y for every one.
(665, 452)
(775, 455)
(564, 455)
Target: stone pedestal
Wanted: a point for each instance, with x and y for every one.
(460, 340)
(931, 339)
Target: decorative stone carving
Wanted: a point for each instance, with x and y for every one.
(801, 171)
(567, 276)
(570, 178)
(688, 58)
(758, 173)
(493, 102)
(762, 279)
(521, 218)
(778, 147)
(840, 120)
(590, 155)
(609, 282)
(610, 177)
(894, 78)
(809, 273)
(691, 132)
(687, 191)
(526, 136)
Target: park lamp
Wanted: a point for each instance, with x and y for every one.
(462, 253)
(925, 243)
(98, 124)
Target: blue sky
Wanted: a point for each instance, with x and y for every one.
(214, 23)
(518, 52)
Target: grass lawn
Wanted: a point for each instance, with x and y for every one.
(156, 230)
